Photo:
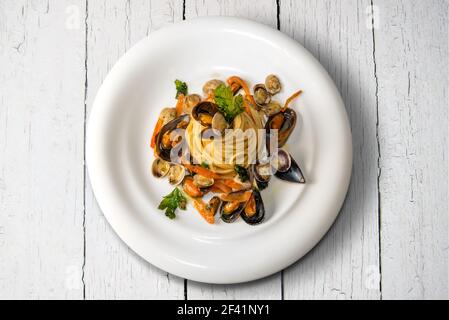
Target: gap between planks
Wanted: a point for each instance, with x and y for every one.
(86, 16)
(379, 169)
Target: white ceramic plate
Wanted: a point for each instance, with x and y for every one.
(119, 157)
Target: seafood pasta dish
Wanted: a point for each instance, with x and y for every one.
(220, 149)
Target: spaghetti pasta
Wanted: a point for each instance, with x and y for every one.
(239, 146)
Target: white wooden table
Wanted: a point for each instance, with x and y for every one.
(389, 59)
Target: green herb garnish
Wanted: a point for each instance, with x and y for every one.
(228, 105)
(204, 164)
(181, 88)
(173, 201)
(242, 172)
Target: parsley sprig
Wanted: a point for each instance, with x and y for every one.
(242, 172)
(181, 88)
(228, 105)
(173, 201)
(204, 164)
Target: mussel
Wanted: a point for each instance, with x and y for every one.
(202, 181)
(272, 84)
(230, 211)
(233, 204)
(254, 211)
(247, 204)
(169, 137)
(204, 112)
(261, 95)
(284, 122)
(287, 168)
(213, 204)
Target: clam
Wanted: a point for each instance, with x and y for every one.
(219, 122)
(284, 122)
(283, 161)
(271, 108)
(167, 115)
(202, 181)
(176, 174)
(254, 211)
(170, 136)
(160, 168)
(210, 86)
(287, 168)
(204, 113)
(261, 95)
(262, 174)
(272, 84)
(191, 101)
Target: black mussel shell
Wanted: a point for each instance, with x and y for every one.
(289, 119)
(214, 203)
(291, 174)
(205, 107)
(180, 122)
(262, 185)
(231, 217)
(260, 210)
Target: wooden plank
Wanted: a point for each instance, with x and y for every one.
(264, 289)
(41, 143)
(345, 265)
(264, 11)
(412, 70)
(112, 270)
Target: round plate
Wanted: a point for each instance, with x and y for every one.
(119, 156)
